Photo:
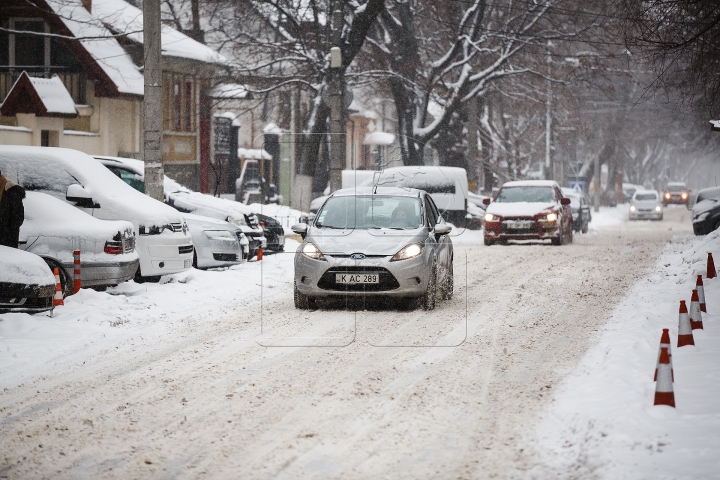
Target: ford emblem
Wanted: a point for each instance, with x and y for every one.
(357, 256)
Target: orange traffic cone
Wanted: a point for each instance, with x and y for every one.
(695, 315)
(664, 343)
(685, 335)
(711, 272)
(58, 298)
(701, 293)
(259, 254)
(77, 275)
(664, 394)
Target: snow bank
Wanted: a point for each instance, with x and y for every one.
(90, 321)
(603, 422)
(609, 217)
(24, 268)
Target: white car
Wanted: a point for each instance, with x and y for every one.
(26, 282)
(217, 243)
(163, 241)
(53, 230)
(183, 199)
(646, 205)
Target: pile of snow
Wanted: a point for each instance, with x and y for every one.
(91, 321)
(23, 268)
(608, 217)
(602, 422)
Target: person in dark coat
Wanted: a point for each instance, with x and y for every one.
(12, 212)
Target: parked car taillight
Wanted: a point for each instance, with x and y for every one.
(114, 248)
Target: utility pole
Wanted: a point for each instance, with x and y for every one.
(549, 165)
(337, 108)
(152, 105)
(473, 155)
(596, 184)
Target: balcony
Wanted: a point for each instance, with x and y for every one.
(75, 82)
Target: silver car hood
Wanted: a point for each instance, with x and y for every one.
(369, 242)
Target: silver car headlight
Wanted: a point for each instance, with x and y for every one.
(408, 251)
(312, 251)
(632, 208)
(658, 208)
(221, 235)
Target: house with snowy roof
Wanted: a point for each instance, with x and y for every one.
(71, 76)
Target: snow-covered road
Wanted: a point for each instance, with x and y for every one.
(188, 385)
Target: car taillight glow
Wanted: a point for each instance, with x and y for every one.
(114, 248)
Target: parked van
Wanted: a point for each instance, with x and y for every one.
(163, 241)
(447, 186)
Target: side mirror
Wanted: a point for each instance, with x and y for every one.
(301, 229)
(443, 229)
(564, 201)
(486, 201)
(77, 193)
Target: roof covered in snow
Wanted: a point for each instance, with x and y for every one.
(531, 183)
(122, 17)
(45, 97)
(230, 91)
(379, 138)
(112, 60)
(255, 153)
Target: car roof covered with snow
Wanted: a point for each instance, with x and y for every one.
(531, 183)
(24, 268)
(51, 170)
(47, 216)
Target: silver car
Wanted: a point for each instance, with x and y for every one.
(53, 230)
(216, 243)
(646, 204)
(387, 241)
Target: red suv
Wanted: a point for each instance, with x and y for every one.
(677, 193)
(529, 210)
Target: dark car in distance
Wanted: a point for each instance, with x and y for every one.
(676, 193)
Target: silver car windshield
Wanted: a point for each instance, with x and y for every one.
(365, 212)
(526, 194)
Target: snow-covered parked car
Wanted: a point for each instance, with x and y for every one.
(448, 187)
(26, 282)
(185, 200)
(53, 229)
(217, 243)
(580, 210)
(162, 240)
(706, 211)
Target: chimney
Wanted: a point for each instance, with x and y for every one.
(88, 5)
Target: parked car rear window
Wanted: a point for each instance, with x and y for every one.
(526, 194)
(365, 212)
(645, 196)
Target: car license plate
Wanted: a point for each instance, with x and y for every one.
(188, 263)
(357, 278)
(518, 225)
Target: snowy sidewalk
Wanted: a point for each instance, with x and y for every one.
(603, 422)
